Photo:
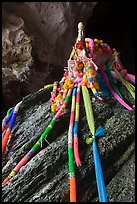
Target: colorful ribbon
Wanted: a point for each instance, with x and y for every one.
(128, 85)
(113, 92)
(99, 132)
(103, 88)
(72, 179)
(36, 147)
(10, 119)
(111, 80)
(75, 129)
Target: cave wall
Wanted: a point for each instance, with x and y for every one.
(52, 27)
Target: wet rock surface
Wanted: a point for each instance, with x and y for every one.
(45, 177)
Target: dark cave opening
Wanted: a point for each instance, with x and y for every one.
(114, 23)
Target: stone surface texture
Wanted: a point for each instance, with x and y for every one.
(45, 177)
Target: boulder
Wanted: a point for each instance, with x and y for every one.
(45, 177)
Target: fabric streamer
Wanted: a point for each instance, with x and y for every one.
(99, 132)
(88, 108)
(7, 119)
(113, 92)
(103, 88)
(3, 133)
(90, 80)
(46, 86)
(128, 85)
(72, 179)
(12, 117)
(131, 78)
(37, 146)
(75, 130)
(113, 84)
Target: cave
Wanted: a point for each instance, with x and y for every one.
(36, 170)
(113, 22)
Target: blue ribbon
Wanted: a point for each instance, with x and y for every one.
(75, 129)
(74, 91)
(98, 169)
(100, 131)
(99, 174)
(102, 85)
(12, 121)
(7, 119)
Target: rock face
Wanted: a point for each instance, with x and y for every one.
(16, 57)
(45, 177)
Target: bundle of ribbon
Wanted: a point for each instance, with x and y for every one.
(92, 66)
